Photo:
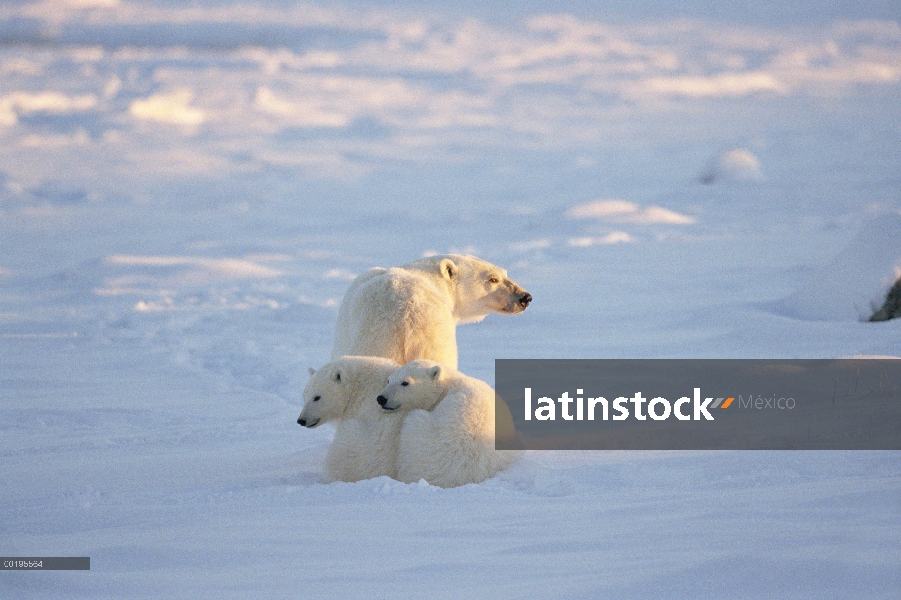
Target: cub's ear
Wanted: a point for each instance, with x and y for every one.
(449, 269)
(435, 372)
(312, 371)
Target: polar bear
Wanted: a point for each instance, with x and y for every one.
(411, 312)
(366, 438)
(448, 436)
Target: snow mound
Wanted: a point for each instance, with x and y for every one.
(733, 165)
(854, 283)
(623, 211)
(615, 237)
(174, 108)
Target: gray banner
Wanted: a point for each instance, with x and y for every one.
(684, 404)
(45, 563)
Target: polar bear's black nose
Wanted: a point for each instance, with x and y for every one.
(524, 301)
(381, 400)
(302, 422)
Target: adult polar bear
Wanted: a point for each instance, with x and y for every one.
(412, 311)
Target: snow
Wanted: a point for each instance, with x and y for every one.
(168, 108)
(733, 165)
(621, 211)
(186, 191)
(854, 283)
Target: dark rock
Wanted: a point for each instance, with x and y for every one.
(892, 307)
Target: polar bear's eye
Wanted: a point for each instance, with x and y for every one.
(405, 383)
(494, 280)
(316, 398)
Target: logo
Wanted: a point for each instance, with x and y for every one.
(590, 409)
(688, 404)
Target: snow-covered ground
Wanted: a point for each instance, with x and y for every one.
(187, 189)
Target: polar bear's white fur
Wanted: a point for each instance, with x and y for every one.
(448, 437)
(411, 312)
(366, 438)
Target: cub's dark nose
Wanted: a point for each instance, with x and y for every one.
(524, 301)
(302, 422)
(381, 400)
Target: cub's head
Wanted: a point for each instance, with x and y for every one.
(479, 287)
(326, 396)
(418, 384)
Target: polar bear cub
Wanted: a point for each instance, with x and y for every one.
(411, 312)
(448, 437)
(366, 438)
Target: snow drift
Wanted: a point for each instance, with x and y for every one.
(853, 284)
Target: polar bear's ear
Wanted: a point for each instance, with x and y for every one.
(312, 371)
(448, 269)
(435, 372)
